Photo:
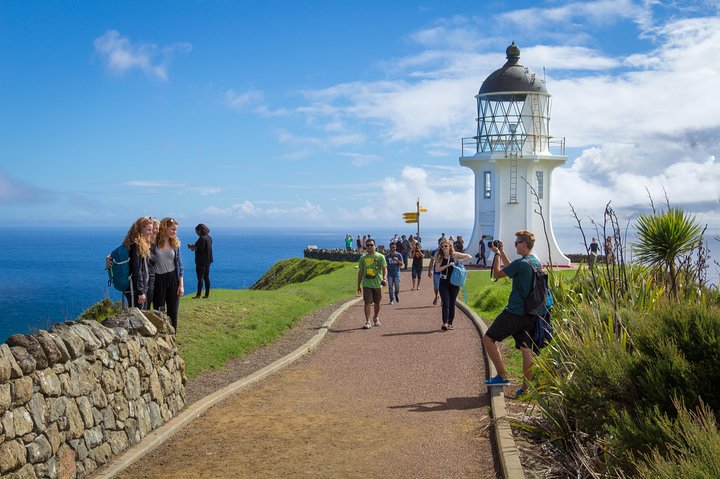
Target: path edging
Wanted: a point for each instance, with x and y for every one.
(507, 450)
(165, 432)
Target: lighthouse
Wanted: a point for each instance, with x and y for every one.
(513, 154)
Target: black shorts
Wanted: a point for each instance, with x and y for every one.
(520, 327)
(372, 295)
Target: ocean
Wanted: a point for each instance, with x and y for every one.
(52, 275)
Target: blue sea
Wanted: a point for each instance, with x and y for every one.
(52, 275)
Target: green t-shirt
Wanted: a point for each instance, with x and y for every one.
(521, 274)
(371, 266)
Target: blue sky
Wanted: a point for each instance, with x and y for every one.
(335, 114)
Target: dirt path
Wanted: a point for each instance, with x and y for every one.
(401, 400)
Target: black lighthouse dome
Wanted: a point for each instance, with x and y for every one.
(512, 77)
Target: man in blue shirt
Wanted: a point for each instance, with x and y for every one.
(394, 262)
(513, 320)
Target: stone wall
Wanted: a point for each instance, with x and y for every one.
(72, 398)
(343, 255)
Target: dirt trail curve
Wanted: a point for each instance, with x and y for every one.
(404, 400)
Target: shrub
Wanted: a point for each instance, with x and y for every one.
(100, 310)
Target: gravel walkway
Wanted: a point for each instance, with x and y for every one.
(401, 400)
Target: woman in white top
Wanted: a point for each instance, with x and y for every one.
(169, 285)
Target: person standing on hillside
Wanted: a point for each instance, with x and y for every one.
(513, 320)
(394, 262)
(203, 258)
(139, 243)
(372, 276)
(358, 241)
(169, 283)
(348, 242)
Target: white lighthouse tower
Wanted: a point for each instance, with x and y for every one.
(510, 153)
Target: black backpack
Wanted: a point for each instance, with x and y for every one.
(537, 299)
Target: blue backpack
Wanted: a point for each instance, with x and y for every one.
(119, 272)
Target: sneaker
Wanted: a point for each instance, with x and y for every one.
(519, 393)
(444, 327)
(450, 326)
(497, 381)
(391, 302)
(397, 299)
(367, 325)
(377, 323)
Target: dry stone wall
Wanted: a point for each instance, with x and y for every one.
(75, 396)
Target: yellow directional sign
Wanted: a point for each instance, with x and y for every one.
(410, 216)
(411, 221)
(423, 210)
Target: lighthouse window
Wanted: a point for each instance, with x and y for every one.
(487, 185)
(539, 176)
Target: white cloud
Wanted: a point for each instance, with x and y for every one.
(301, 209)
(122, 55)
(17, 192)
(240, 101)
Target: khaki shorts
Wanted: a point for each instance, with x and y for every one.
(372, 295)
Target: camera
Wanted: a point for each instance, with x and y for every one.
(496, 243)
(383, 283)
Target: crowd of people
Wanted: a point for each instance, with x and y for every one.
(376, 270)
(156, 271)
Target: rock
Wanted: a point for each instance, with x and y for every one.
(100, 331)
(93, 437)
(132, 383)
(24, 359)
(117, 322)
(156, 419)
(54, 437)
(155, 388)
(39, 450)
(141, 323)
(66, 463)
(73, 343)
(85, 408)
(12, 456)
(64, 353)
(81, 450)
(99, 398)
(48, 469)
(91, 341)
(25, 472)
(75, 424)
(8, 359)
(48, 382)
(109, 381)
(5, 397)
(108, 418)
(23, 421)
(118, 441)
(49, 347)
(160, 321)
(56, 407)
(32, 346)
(39, 411)
(89, 465)
(8, 424)
(102, 453)
(132, 431)
(22, 390)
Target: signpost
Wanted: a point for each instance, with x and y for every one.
(414, 217)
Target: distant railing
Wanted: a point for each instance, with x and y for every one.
(470, 146)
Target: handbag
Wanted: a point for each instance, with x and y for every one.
(457, 277)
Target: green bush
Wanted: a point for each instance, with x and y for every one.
(100, 310)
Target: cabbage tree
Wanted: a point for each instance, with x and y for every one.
(664, 239)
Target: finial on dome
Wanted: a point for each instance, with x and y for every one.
(513, 53)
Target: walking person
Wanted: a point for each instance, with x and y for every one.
(434, 274)
(444, 265)
(372, 276)
(417, 265)
(594, 247)
(394, 262)
(169, 286)
(513, 320)
(481, 254)
(406, 250)
(203, 258)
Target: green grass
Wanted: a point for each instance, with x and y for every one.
(232, 323)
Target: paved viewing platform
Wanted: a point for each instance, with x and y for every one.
(401, 400)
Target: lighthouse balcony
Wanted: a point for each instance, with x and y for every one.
(513, 145)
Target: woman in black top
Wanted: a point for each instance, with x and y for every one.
(444, 262)
(203, 258)
(139, 242)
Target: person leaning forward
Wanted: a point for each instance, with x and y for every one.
(513, 320)
(372, 276)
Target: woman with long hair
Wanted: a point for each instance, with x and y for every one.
(169, 285)
(203, 258)
(138, 241)
(444, 264)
